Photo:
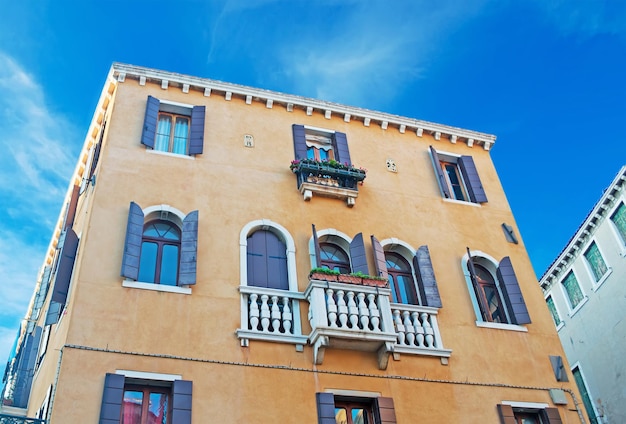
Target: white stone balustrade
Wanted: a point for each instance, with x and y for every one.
(417, 330)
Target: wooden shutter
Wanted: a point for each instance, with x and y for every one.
(65, 267)
(384, 410)
(71, 207)
(512, 293)
(181, 402)
(551, 416)
(150, 122)
(325, 408)
(26, 369)
(112, 398)
(188, 249)
(316, 246)
(506, 414)
(132, 243)
(379, 258)
(299, 141)
(40, 297)
(277, 277)
(340, 142)
(256, 260)
(484, 309)
(442, 178)
(196, 134)
(472, 180)
(358, 258)
(426, 278)
(557, 367)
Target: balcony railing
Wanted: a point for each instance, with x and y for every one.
(417, 330)
(322, 178)
(14, 419)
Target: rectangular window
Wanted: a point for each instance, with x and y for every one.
(333, 409)
(553, 311)
(458, 177)
(596, 262)
(619, 220)
(572, 290)
(319, 145)
(172, 133)
(584, 393)
(146, 404)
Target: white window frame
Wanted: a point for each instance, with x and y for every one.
(568, 301)
(618, 237)
(451, 158)
(560, 324)
(595, 285)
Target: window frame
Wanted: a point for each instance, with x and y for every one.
(171, 137)
(619, 233)
(465, 170)
(382, 408)
(590, 401)
(353, 247)
(596, 280)
(161, 243)
(561, 323)
(572, 308)
(147, 390)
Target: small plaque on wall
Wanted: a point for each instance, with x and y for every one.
(248, 140)
(391, 165)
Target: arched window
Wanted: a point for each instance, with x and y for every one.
(488, 295)
(332, 256)
(400, 278)
(333, 249)
(160, 253)
(267, 261)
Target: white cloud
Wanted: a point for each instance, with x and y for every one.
(586, 18)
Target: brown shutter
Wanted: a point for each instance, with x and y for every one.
(379, 258)
(385, 410)
(71, 208)
(358, 259)
(316, 246)
(551, 415)
(442, 178)
(506, 414)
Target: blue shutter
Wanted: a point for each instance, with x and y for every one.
(277, 277)
(71, 208)
(150, 122)
(54, 312)
(379, 258)
(442, 178)
(40, 298)
(325, 408)
(342, 154)
(512, 293)
(299, 141)
(196, 135)
(26, 369)
(358, 259)
(426, 278)
(112, 398)
(181, 402)
(257, 260)
(65, 267)
(132, 243)
(188, 250)
(472, 180)
(316, 246)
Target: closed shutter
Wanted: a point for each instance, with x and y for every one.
(551, 416)
(325, 408)
(132, 243)
(472, 180)
(342, 154)
(257, 260)
(277, 277)
(65, 268)
(506, 414)
(512, 293)
(196, 135)
(316, 246)
(112, 398)
(442, 178)
(181, 402)
(385, 411)
(188, 250)
(150, 122)
(71, 208)
(426, 278)
(379, 258)
(26, 369)
(299, 142)
(357, 255)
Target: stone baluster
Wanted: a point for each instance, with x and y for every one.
(342, 309)
(428, 329)
(374, 312)
(254, 312)
(419, 330)
(399, 327)
(265, 313)
(275, 315)
(364, 313)
(410, 329)
(353, 311)
(287, 316)
(332, 308)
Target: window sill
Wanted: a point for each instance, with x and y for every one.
(578, 307)
(155, 287)
(174, 155)
(462, 202)
(602, 280)
(500, 326)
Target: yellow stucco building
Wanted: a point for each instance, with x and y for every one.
(229, 254)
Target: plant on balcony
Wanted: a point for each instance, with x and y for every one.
(328, 172)
(371, 280)
(323, 274)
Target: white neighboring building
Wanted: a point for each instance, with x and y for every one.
(585, 289)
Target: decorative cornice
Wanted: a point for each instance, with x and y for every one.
(290, 102)
(584, 232)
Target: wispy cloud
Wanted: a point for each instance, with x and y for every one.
(586, 18)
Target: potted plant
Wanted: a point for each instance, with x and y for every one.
(323, 274)
(372, 280)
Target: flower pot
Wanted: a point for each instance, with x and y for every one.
(349, 279)
(323, 277)
(375, 282)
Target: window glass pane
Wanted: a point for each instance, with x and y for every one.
(181, 135)
(493, 302)
(164, 128)
(310, 153)
(341, 417)
(359, 416)
(157, 408)
(169, 265)
(553, 311)
(619, 219)
(393, 286)
(596, 263)
(147, 262)
(405, 284)
(131, 409)
(455, 180)
(574, 294)
(323, 154)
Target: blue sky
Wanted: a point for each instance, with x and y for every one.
(547, 77)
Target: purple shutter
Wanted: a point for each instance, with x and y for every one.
(299, 141)
(196, 135)
(181, 402)
(557, 367)
(551, 416)
(342, 154)
(442, 178)
(71, 207)
(188, 250)
(358, 258)
(384, 410)
(96, 152)
(112, 399)
(150, 122)
(426, 278)
(325, 408)
(472, 180)
(26, 369)
(379, 258)
(256, 260)
(316, 246)
(65, 267)
(277, 277)
(505, 412)
(132, 243)
(484, 309)
(512, 293)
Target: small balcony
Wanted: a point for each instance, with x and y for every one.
(417, 331)
(6, 418)
(328, 178)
